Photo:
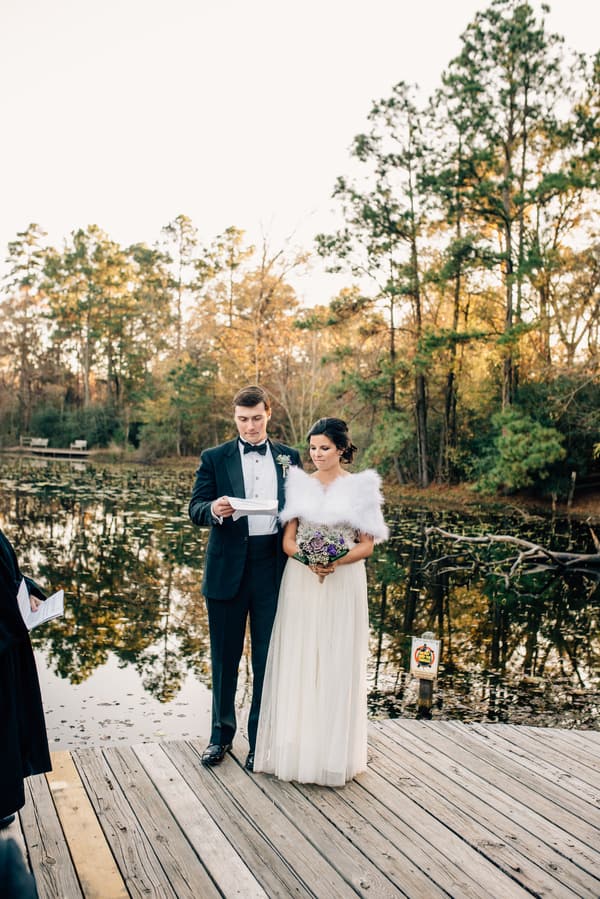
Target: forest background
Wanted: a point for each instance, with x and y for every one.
(463, 346)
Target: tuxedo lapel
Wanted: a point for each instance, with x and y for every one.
(233, 464)
(276, 449)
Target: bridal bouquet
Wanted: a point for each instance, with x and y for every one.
(322, 546)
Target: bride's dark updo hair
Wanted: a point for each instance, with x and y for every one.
(337, 431)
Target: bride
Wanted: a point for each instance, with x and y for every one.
(313, 718)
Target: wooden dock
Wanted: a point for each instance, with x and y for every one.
(47, 452)
(445, 809)
(56, 452)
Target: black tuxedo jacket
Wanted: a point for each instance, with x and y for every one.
(220, 474)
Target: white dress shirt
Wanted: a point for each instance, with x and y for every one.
(260, 482)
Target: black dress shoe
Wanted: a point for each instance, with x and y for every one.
(249, 765)
(215, 753)
(5, 822)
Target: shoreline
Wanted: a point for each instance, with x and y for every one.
(463, 497)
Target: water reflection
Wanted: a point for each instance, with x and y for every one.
(118, 540)
(527, 651)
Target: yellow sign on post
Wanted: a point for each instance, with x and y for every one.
(424, 657)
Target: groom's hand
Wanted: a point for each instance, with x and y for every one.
(222, 508)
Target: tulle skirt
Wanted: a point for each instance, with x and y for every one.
(313, 718)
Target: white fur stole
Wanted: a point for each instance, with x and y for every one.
(354, 500)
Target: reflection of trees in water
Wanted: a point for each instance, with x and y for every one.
(121, 546)
(524, 646)
(120, 543)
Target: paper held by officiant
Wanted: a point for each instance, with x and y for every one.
(244, 506)
(45, 610)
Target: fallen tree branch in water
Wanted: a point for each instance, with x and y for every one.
(531, 557)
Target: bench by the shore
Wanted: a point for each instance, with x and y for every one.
(40, 446)
(445, 809)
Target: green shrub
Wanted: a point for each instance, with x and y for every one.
(523, 452)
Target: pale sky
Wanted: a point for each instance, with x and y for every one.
(126, 113)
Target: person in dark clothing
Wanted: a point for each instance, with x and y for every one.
(16, 882)
(244, 558)
(23, 739)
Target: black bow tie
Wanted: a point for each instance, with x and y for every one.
(251, 448)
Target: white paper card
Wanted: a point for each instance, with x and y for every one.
(47, 609)
(244, 506)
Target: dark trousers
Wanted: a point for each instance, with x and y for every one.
(256, 599)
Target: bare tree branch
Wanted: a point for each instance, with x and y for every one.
(531, 557)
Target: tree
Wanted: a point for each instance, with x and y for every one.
(222, 265)
(179, 243)
(562, 252)
(176, 417)
(22, 314)
(243, 318)
(507, 78)
(88, 292)
(524, 451)
(146, 329)
(384, 223)
(463, 256)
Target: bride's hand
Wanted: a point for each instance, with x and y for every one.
(322, 570)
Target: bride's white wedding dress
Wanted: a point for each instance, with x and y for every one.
(313, 719)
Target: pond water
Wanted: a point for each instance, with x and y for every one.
(130, 659)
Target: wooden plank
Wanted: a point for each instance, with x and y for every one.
(270, 867)
(444, 809)
(562, 755)
(229, 872)
(46, 847)
(96, 868)
(311, 865)
(181, 867)
(539, 815)
(541, 793)
(262, 824)
(589, 739)
(550, 747)
(350, 857)
(350, 811)
(476, 780)
(507, 843)
(578, 734)
(471, 836)
(139, 866)
(568, 754)
(360, 822)
(517, 760)
(567, 750)
(354, 866)
(412, 833)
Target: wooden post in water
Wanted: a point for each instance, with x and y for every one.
(424, 660)
(425, 698)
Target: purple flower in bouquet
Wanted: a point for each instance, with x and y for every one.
(322, 547)
(314, 546)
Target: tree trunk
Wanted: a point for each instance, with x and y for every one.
(508, 374)
(421, 419)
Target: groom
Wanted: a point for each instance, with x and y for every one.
(244, 559)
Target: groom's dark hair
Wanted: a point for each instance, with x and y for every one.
(252, 396)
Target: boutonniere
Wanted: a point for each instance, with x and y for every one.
(284, 460)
